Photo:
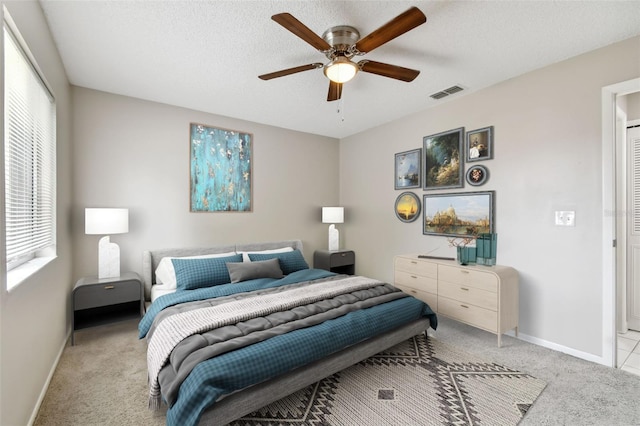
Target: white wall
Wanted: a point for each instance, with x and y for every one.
(135, 154)
(34, 317)
(633, 105)
(547, 157)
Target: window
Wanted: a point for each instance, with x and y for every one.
(29, 157)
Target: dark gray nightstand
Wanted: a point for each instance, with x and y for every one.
(99, 301)
(339, 261)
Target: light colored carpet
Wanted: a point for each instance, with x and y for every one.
(102, 380)
(418, 382)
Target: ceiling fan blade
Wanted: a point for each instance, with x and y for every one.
(386, 70)
(298, 28)
(335, 91)
(290, 71)
(392, 29)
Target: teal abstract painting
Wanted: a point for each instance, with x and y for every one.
(220, 163)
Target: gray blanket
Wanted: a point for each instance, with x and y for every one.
(198, 347)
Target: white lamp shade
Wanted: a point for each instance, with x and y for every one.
(106, 221)
(340, 70)
(333, 215)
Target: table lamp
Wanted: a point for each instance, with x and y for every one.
(333, 215)
(106, 222)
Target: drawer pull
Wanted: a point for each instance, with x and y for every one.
(414, 262)
(413, 291)
(109, 287)
(463, 271)
(464, 289)
(464, 306)
(414, 277)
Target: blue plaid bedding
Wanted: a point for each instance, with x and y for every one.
(241, 368)
(178, 297)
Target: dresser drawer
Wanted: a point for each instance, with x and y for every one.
(469, 295)
(93, 296)
(483, 297)
(467, 313)
(430, 298)
(417, 267)
(477, 279)
(416, 281)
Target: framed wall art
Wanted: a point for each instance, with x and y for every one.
(407, 169)
(220, 169)
(479, 144)
(443, 166)
(458, 215)
(407, 207)
(477, 175)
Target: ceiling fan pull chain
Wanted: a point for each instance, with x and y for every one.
(340, 109)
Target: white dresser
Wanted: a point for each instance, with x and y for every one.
(482, 296)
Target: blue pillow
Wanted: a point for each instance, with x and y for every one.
(290, 261)
(207, 272)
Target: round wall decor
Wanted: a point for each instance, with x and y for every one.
(407, 207)
(477, 175)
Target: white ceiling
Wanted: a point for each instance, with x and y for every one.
(207, 55)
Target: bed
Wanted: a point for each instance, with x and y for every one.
(218, 352)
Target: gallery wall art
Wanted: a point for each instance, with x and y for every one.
(440, 165)
(408, 169)
(477, 175)
(407, 207)
(479, 144)
(443, 164)
(220, 169)
(460, 214)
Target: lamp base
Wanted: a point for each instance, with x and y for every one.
(108, 259)
(334, 238)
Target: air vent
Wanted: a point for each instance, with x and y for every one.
(446, 92)
(453, 89)
(439, 95)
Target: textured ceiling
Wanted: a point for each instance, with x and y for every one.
(207, 55)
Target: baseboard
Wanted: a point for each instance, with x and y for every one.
(43, 393)
(560, 348)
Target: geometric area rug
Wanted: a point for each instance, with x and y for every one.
(418, 382)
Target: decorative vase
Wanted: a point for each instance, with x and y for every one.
(466, 255)
(486, 248)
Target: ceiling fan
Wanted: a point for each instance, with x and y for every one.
(341, 43)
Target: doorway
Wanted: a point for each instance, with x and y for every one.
(613, 124)
(628, 295)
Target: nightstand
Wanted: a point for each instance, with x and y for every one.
(99, 301)
(339, 261)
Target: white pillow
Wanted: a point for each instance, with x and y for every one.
(158, 290)
(166, 275)
(245, 254)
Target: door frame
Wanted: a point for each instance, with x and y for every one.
(609, 209)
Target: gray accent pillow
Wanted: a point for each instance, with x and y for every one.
(243, 271)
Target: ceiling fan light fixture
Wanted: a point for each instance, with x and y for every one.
(340, 70)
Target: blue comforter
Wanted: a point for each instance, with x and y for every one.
(240, 368)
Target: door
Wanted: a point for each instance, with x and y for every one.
(633, 228)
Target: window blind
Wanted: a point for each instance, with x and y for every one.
(29, 150)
